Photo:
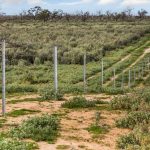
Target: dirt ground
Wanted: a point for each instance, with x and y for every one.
(74, 123)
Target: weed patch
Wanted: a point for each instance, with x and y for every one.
(11, 144)
(96, 129)
(133, 119)
(44, 128)
(80, 102)
(21, 112)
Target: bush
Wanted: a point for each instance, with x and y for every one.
(50, 94)
(107, 90)
(139, 100)
(44, 128)
(9, 144)
(139, 139)
(29, 76)
(19, 88)
(80, 102)
(125, 103)
(22, 63)
(133, 119)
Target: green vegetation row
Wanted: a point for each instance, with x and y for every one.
(33, 42)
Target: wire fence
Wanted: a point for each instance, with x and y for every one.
(114, 76)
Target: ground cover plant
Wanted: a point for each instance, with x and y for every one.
(139, 138)
(15, 101)
(44, 128)
(13, 144)
(138, 119)
(81, 102)
(50, 94)
(20, 112)
(2, 121)
(97, 130)
(72, 43)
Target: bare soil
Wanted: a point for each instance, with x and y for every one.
(74, 123)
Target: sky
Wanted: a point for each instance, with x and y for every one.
(16, 6)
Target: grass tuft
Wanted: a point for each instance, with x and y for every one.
(21, 112)
(44, 128)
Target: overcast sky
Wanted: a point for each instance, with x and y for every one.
(16, 6)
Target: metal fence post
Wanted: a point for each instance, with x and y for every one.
(3, 80)
(55, 70)
(84, 72)
(134, 75)
(102, 73)
(114, 77)
(139, 72)
(142, 71)
(122, 81)
(129, 82)
(148, 63)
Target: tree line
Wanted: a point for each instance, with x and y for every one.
(38, 13)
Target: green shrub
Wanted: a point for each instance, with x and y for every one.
(50, 94)
(20, 112)
(29, 76)
(80, 102)
(22, 63)
(138, 100)
(125, 103)
(107, 90)
(10, 144)
(2, 121)
(96, 129)
(19, 88)
(133, 119)
(125, 141)
(44, 128)
(139, 139)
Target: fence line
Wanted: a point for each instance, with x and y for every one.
(135, 73)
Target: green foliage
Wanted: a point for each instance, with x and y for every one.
(95, 129)
(138, 100)
(44, 128)
(50, 94)
(133, 119)
(108, 90)
(2, 121)
(22, 63)
(29, 76)
(20, 112)
(139, 139)
(80, 102)
(15, 101)
(138, 119)
(125, 102)
(29, 40)
(11, 144)
(20, 88)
